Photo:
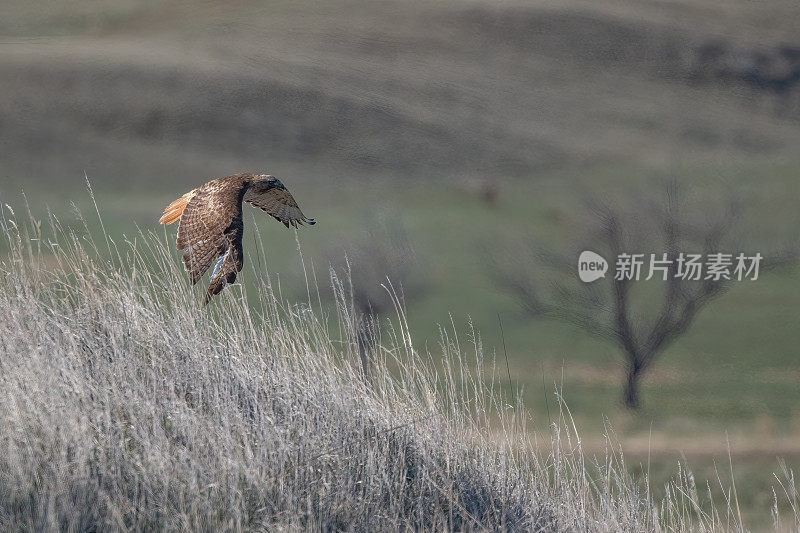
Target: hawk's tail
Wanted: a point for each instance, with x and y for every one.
(174, 210)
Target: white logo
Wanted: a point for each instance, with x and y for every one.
(715, 267)
(591, 266)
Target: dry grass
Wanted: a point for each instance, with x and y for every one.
(127, 406)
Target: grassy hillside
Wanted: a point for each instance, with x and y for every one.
(126, 406)
(155, 93)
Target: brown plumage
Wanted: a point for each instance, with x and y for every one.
(211, 226)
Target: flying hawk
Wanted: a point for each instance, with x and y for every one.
(211, 224)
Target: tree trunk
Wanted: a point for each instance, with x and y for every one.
(631, 393)
(365, 340)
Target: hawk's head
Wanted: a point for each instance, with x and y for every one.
(265, 182)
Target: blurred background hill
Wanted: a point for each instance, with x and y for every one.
(474, 122)
(417, 91)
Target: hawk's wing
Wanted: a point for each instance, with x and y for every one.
(279, 204)
(225, 270)
(210, 226)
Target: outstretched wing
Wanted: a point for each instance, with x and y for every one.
(210, 227)
(279, 203)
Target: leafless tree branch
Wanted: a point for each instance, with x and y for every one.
(545, 284)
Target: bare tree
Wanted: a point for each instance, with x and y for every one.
(377, 266)
(547, 284)
(485, 189)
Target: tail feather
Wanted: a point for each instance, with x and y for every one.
(174, 210)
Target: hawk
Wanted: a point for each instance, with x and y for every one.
(211, 226)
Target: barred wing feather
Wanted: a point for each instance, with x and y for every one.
(279, 204)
